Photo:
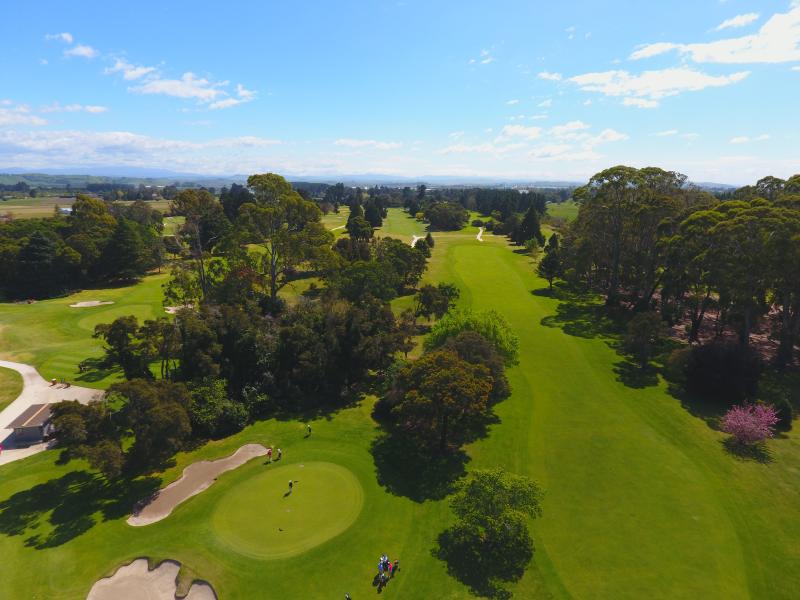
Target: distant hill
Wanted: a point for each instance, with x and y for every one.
(79, 178)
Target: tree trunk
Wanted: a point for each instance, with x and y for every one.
(443, 434)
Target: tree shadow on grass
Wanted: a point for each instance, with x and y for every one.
(404, 469)
(579, 313)
(759, 453)
(463, 562)
(59, 510)
(96, 369)
(634, 376)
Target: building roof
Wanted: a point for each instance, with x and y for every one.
(35, 415)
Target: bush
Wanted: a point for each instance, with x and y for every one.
(477, 222)
(490, 324)
(723, 371)
(784, 412)
(489, 225)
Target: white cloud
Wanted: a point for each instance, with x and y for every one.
(378, 145)
(568, 130)
(90, 108)
(243, 95)
(42, 61)
(545, 103)
(188, 86)
(743, 139)
(18, 115)
(547, 75)
(512, 102)
(81, 50)
(485, 148)
(667, 133)
(644, 89)
(129, 72)
(456, 135)
(605, 136)
(549, 150)
(690, 136)
(639, 103)
(587, 102)
(63, 37)
(537, 117)
(650, 50)
(518, 131)
(797, 68)
(778, 40)
(485, 58)
(737, 21)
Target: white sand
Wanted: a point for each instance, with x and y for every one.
(173, 309)
(90, 303)
(415, 239)
(196, 477)
(479, 237)
(137, 582)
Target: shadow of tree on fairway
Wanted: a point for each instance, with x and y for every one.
(634, 376)
(579, 313)
(59, 510)
(464, 562)
(96, 369)
(404, 469)
(759, 453)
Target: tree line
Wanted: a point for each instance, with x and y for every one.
(724, 271)
(96, 242)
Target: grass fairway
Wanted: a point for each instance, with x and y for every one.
(400, 225)
(262, 519)
(10, 386)
(642, 500)
(566, 211)
(55, 338)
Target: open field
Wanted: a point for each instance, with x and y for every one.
(43, 206)
(33, 208)
(642, 500)
(10, 386)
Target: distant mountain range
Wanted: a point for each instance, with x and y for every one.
(80, 177)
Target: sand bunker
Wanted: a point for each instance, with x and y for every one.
(137, 582)
(173, 309)
(196, 478)
(90, 303)
(479, 237)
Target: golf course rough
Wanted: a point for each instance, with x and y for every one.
(261, 519)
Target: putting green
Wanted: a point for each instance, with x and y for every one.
(259, 519)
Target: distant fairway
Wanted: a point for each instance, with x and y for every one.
(260, 519)
(55, 337)
(563, 210)
(10, 386)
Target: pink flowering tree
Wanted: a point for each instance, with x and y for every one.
(750, 423)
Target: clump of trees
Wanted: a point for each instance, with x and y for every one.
(444, 398)
(490, 544)
(139, 426)
(447, 216)
(96, 242)
(722, 269)
(234, 351)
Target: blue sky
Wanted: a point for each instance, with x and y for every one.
(534, 90)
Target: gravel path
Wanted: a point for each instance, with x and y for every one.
(35, 390)
(479, 237)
